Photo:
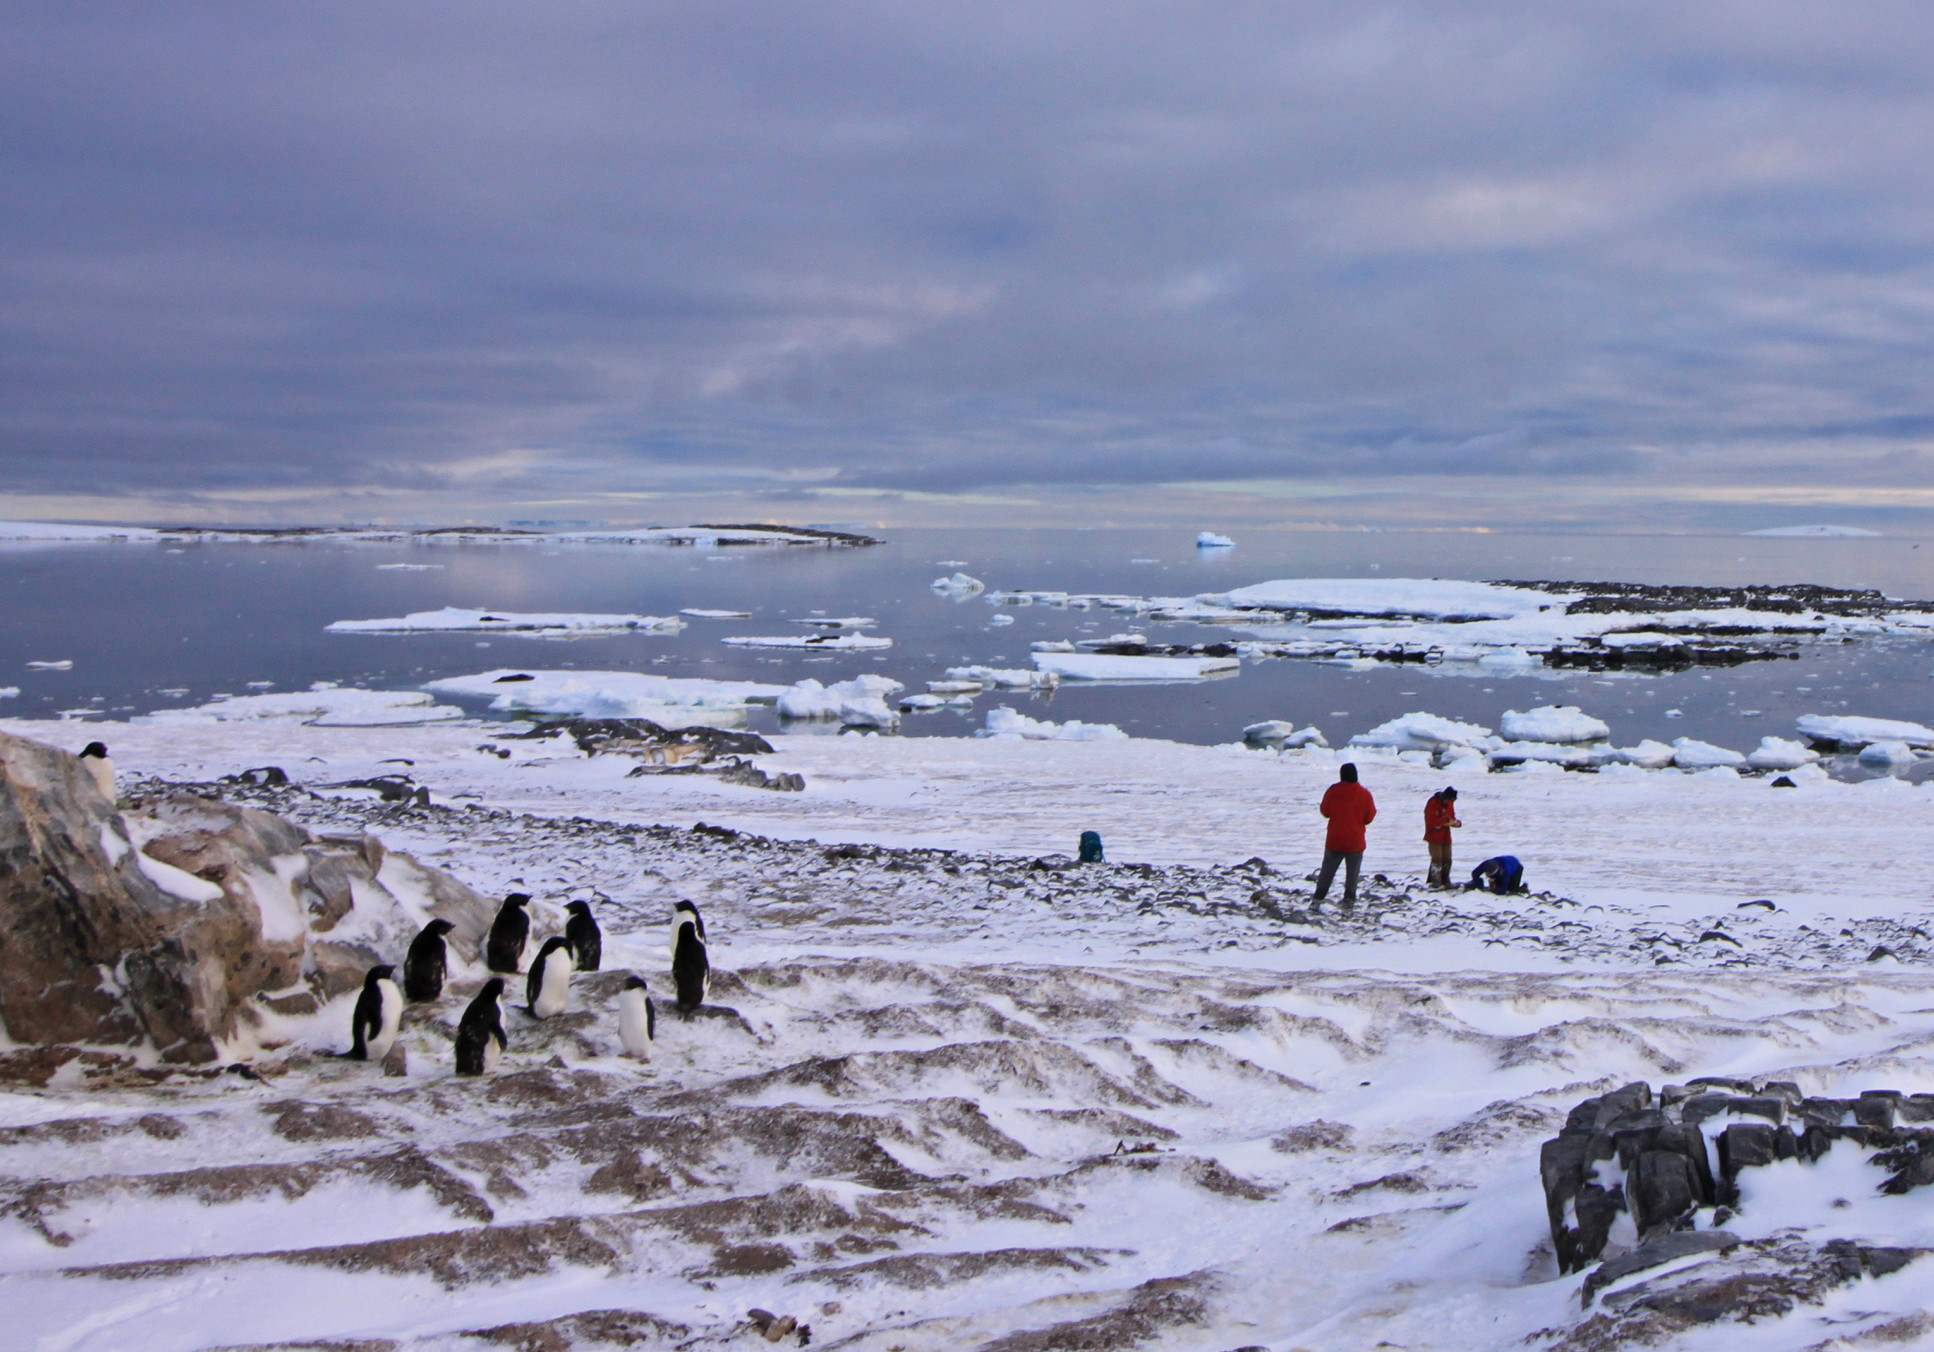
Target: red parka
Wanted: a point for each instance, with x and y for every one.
(1440, 814)
(1350, 808)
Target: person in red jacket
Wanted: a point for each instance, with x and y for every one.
(1440, 815)
(1350, 808)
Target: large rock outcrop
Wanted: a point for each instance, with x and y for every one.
(164, 924)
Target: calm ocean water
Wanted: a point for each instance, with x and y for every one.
(149, 628)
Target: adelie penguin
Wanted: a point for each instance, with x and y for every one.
(587, 940)
(100, 768)
(691, 969)
(637, 1019)
(549, 984)
(510, 935)
(379, 1013)
(428, 963)
(480, 1033)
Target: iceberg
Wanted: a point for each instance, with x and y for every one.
(1689, 753)
(1552, 723)
(540, 625)
(1104, 667)
(1278, 734)
(1835, 732)
(959, 585)
(1208, 539)
(1422, 732)
(1006, 722)
(1777, 753)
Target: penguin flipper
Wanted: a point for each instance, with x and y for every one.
(651, 1020)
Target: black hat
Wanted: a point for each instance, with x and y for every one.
(1347, 774)
(1448, 793)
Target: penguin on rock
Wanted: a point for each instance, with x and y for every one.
(691, 969)
(637, 1019)
(587, 940)
(428, 963)
(379, 1013)
(549, 983)
(480, 1033)
(510, 935)
(95, 759)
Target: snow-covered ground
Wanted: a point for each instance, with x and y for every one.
(960, 1094)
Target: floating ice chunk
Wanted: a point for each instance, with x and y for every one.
(562, 624)
(1815, 533)
(1640, 639)
(9, 692)
(606, 694)
(1689, 753)
(930, 702)
(1421, 732)
(326, 706)
(1555, 753)
(1208, 539)
(1552, 723)
(699, 614)
(1050, 645)
(1006, 722)
(1835, 732)
(1647, 755)
(1420, 598)
(1277, 734)
(1889, 752)
(1809, 773)
(959, 585)
(1509, 658)
(408, 567)
(842, 642)
(62, 664)
(859, 702)
(1000, 618)
(839, 622)
(1777, 753)
(1010, 678)
(1104, 667)
(955, 687)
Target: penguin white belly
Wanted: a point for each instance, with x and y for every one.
(385, 1036)
(493, 1051)
(634, 1025)
(556, 987)
(102, 770)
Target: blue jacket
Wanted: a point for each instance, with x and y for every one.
(1500, 873)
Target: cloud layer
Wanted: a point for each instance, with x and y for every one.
(490, 250)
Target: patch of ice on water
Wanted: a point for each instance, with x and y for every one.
(9, 692)
(837, 642)
(959, 585)
(1555, 753)
(1420, 598)
(1688, 753)
(1887, 753)
(1647, 755)
(1007, 722)
(1106, 667)
(859, 702)
(1208, 539)
(607, 694)
(324, 705)
(1840, 730)
(1821, 532)
(456, 619)
(1422, 732)
(701, 614)
(1005, 678)
(1778, 753)
(1552, 723)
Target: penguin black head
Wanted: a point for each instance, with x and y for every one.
(438, 926)
(95, 749)
(579, 908)
(634, 983)
(493, 989)
(519, 899)
(385, 972)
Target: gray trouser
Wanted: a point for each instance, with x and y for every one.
(1353, 865)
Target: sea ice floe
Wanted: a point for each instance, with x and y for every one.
(539, 625)
(1839, 732)
(1422, 732)
(836, 641)
(1553, 753)
(324, 705)
(1689, 753)
(1647, 755)
(1552, 723)
(1433, 599)
(1208, 539)
(9, 692)
(698, 613)
(1006, 722)
(1278, 734)
(1887, 752)
(1778, 753)
(610, 694)
(858, 703)
(959, 585)
(837, 622)
(1004, 678)
(1107, 667)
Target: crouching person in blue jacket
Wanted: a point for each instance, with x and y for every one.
(1500, 874)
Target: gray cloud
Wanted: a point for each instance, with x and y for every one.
(947, 247)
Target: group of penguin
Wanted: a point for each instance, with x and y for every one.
(481, 1039)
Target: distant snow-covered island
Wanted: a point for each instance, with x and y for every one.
(710, 535)
(1815, 533)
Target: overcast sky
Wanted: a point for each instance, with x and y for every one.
(289, 257)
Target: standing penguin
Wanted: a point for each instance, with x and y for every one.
(427, 963)
(549, 984)
(379, 1013)
(691, 969)
(510, 935)
(637, 1019)
(480, 1033)
(587, 940)
(94, 756)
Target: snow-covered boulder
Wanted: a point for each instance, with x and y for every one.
(1838, 732)
(959, 585)
(1689, 753)
(1778, 753)
(1421, 732)
(1887, 753)
(1647, 755)
(1006, 722)
(1552, 723)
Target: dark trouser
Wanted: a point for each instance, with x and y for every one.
(1440, 863)
(1353, 865)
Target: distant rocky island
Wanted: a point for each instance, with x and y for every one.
(715, 535)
